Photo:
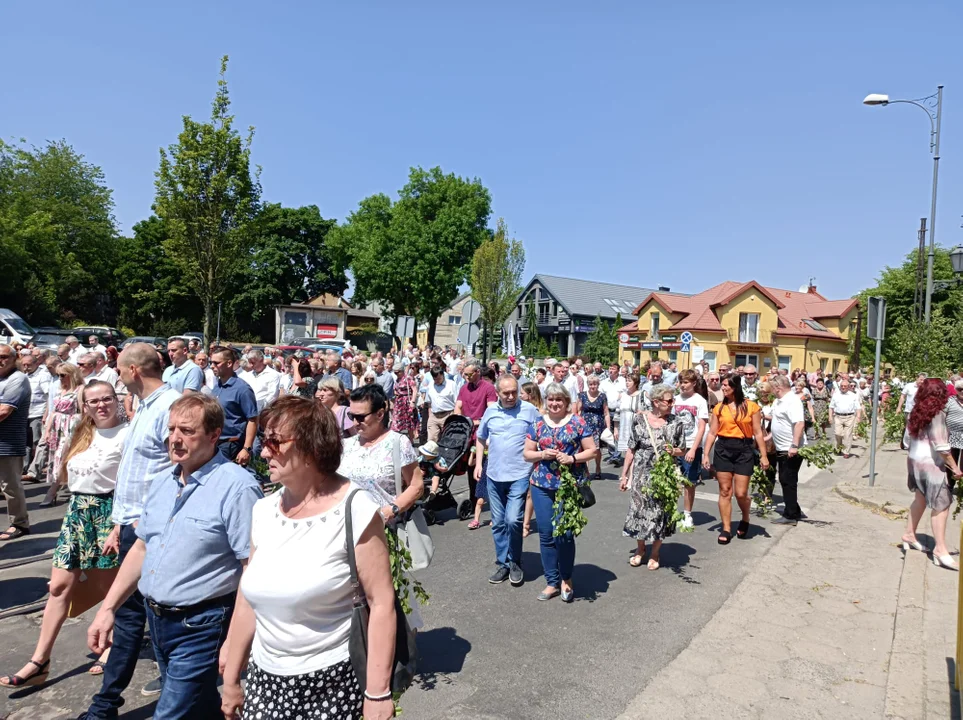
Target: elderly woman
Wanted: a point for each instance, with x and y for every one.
(652, 433)
(559, 438)
(927, 465)
(330, 392)
(593, 407)
(63, 417)
(89, 469)
(293, 613)
(382, 462)
(820, 402)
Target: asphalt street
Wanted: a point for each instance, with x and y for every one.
(487, 651)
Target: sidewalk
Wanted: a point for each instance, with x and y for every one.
(834, 621)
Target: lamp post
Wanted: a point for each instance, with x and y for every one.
(932, 105)
(956, 257)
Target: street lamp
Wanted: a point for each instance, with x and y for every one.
(956, 257)
(932, 105)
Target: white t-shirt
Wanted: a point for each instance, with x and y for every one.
(299, 585)
(441, 398)
(613, 391)
(786, 412)
(909, 391)
(94, 471)
(690, 410)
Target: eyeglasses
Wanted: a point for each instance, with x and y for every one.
(274, 443)
(87, 364)
(360, 417)
(751, 374)
(94, 402)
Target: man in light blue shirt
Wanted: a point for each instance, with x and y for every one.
(183, 375)
(503, 429)
(144, 455)
(193, 541)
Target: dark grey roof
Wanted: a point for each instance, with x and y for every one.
(589, 298)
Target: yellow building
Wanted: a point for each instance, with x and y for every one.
(740, 324)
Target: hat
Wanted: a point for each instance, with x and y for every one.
(429, 449)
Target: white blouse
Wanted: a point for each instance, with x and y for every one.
(94, 471)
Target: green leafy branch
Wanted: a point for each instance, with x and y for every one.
(760, 490)
(820, 454)
(665, 487)
(400, 558)
(568, 504)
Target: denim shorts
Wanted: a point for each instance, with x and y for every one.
(692, 471)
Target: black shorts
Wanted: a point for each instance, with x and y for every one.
(733, 455)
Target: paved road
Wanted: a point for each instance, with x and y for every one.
(487, 651)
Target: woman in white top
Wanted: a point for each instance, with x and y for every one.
(293, 614)
(629, 405)
(90, 473)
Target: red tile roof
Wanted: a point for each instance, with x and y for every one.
(793, 307)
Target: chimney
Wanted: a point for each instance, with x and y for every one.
(812, 286)
(663, 288)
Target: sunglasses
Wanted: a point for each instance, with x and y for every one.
(360, 417)
(274, 443)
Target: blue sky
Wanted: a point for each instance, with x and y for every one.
(644, 143)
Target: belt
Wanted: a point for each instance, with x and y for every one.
(844, 414)
(443, 413)
(227, 440)
(160, 610)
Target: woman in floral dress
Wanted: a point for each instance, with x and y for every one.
(820, 395)
(63, 418)
(594, 409)
(404, 414)
(653, 433)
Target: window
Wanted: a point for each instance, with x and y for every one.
(543, 312)
(835, 366)
(785, 362)
(653, 354)
(710, 357)
(673, 356)
(747, 360)
(815, 325)
(749, 327)
(654, 328)
(822, 364)
(454, 319)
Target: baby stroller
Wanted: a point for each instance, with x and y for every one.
(451, 460)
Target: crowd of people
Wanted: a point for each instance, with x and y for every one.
(166, 457)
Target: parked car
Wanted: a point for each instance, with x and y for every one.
(51, 337)
(159, 342)
(13, 328)
(310, 342)
(107, 335)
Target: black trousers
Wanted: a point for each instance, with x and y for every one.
(788, 468)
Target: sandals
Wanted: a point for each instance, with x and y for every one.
(725, 537)
(474, 525)
(636, 561)
(97, 668)
(653, 564)
(38, 678)
(742, 532)
(13, 535)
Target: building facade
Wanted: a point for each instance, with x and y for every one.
(740, 324)
(323, 317)
(565, 309)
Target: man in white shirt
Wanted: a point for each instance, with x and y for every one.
(94, 345)
(265, 380)
(570, 378)
(845, 410)
(204, 364)
(440, 396)
(35, 461)
(542, 379)
(654, 378)
(670, 375)
(105, 373)
(907, 398)
(788, 435)
(77, 350)
(613, 386)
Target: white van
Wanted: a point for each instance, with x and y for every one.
(13, 328)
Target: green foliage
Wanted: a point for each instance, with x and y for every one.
(568, 504)
(532, 340)
(400, 558)
(57, 234)
(820, 454)
(760, 491)
(917, 347)
(413, 255)
(602, 344)
(894, 422)
(496, 274)
(208, 201)
(665, 487)
(542, 351)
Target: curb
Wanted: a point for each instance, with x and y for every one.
(894, 512)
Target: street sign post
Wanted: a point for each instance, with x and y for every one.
(875, 329)
(470, 312)
(405, 327)
(468, 335)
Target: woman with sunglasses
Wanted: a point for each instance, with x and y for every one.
(734, 425)
(61, 421)
(376, 457)
(330, 391)
(89, 469)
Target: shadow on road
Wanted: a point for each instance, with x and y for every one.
(27, 546)
(591, 581)
(141, 713)
(20, 591)
(441, 652)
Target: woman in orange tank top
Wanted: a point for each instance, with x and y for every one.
(734, 426)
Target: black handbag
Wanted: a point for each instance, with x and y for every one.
(586, 495)
(406, 652)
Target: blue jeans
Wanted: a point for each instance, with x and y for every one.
(129, 621)
(558, 553)
(692, 471)
(507, 503)
(187, 646)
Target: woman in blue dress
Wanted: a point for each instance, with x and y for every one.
(594, 409)
(558, 438)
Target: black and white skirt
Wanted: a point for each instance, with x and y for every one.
(331, 693)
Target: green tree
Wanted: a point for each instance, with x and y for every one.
(413, 255)
(917, 347)
(290, 263)
(531, 344)
(599, 345)
(208, 199)
(496, 274)
(57, 234)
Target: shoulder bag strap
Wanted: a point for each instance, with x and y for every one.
(651, 434)
(358, 596)
(396, 460)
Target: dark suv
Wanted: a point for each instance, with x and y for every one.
(107, 335)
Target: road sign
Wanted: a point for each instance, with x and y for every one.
(470, 312)
(685, 347)
(623, 337)
(875, 317)
(686, 337)
(468, 334)
(405, 327)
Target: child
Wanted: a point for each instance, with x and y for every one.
(431, 466)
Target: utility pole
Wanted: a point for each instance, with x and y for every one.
(936, 173)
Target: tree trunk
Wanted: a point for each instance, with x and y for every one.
(432, 326)
(207, 325)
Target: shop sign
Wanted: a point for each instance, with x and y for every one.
(669, 338)
(327, 331)
(671, 345)
(651, 346)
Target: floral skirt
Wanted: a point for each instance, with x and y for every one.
(82, 535)
(331, 693)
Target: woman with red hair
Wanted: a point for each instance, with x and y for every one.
(927, 464)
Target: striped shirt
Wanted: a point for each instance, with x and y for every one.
(145, 454)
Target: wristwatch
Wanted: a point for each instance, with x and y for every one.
(794, 447)
(395, 510)
(248, 450)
